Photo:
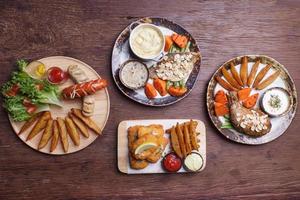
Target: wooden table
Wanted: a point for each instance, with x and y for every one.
(86, 30)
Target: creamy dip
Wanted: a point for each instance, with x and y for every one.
(134, 74)
(193, 161)
(146, 42)
(276, 101)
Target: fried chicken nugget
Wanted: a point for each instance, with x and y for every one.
(46, 134)
(40, 125)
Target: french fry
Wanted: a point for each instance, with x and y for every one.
(87, 121)
(224, 84)
(175, 143)
(30, 122)
(193, 136)
(63, 134)
(40, 125)
(47, 134)
(268, 80)
(195, 123)
(72, 131)
(244, 70)
(235, 74)
(253, 73)
(80, 125)
(55, 136)
(261, 75)
(187, 138)
(181, 140)
(230, 79)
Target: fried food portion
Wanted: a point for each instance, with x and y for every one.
(175, 142)
(72, 131)
(30, 122)
(195, 124)
(224, 84)
(46, 135)
(181, 140)
(55, 136)
(40, 125)
(63, 134)
(244, 70)
(155, 129)
(87, 121)
(253, 73)
(193, 136)
(261, 75)
(187, 138)
(268, 81)
(235, 74)
(156, 155)
(137, 164)
(80, 125)
(230, 79)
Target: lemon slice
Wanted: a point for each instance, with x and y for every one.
(145, 146)
(36, 69)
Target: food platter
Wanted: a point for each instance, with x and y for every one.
(284, 81)
(102, 107)
(122, 53)
(123, 151)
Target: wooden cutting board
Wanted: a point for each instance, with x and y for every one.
(102, 106)
(123, 160)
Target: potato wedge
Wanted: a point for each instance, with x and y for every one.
(244, 70)
(181, 140)
(63, 134)
(235, 74)
(40, 125)
(175, 143)
(193, 136)
(268, 81)
(224, 84)
(72, 131)
(230, 79)
(80, 125)
(30, 122)
(87, 121)
(253, 73)
(187, 139)
(195, 123)
(47, 134)
(55, 136)
(261, 75)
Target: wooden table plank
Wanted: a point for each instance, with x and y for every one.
(86, 30)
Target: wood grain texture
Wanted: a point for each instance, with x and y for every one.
(86, 30)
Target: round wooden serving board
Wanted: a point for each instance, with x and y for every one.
(102, 106)
(279, 124)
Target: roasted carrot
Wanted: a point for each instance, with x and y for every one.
(161, 86)
(224, 84)
(261, 75)
(177, 91)
(253, 73)
(150, 91)
(180, 40)
(268, 80)
(235, 74)
(169, 43)
(244, 70)
(221, 97)
(244, 93)
(250, 101)
(221, 109)
(230, 79)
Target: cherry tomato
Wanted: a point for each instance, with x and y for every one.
(30, 107)
(13, 90)
(56, 75)
(172, 162)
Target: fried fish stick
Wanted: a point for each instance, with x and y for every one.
(55, 136)
(40, 125)
(224, 84)
(261, 75)
(87, 121)
(253, 73)
(72, 131)
(30, 122)
(244, 70)
(47, 134)
(63, 134)
(235, 74)
(230, 79)
(193, 136)
(268, 80)
(181, 140)
(175, 142)
(187, 138)
(80, 125)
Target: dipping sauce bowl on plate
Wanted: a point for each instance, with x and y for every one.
(146, 41)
